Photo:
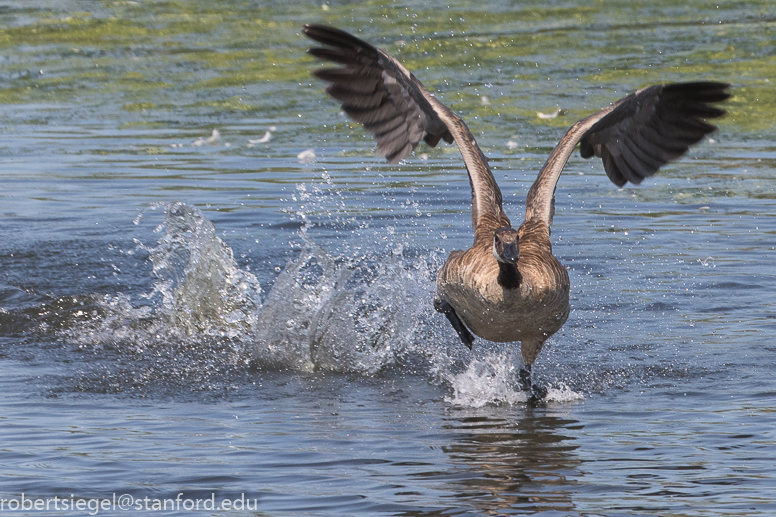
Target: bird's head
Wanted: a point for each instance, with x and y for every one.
(506, 245)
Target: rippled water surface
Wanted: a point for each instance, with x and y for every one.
(191, 305)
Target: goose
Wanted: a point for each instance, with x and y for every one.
(508, 286)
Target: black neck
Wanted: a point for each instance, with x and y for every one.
(508, 275)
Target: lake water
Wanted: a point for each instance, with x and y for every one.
(189, 312)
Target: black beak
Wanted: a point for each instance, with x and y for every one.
(511, 252)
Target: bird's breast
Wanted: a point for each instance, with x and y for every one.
(536, 309)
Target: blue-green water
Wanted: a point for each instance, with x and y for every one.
(212, 315)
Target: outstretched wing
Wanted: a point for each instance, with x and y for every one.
(634, 137)
(379, 92)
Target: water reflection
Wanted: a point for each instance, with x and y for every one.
(524, 465)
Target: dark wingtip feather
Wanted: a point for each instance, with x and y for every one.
(338, 38)
(701, 91)
(334, 75)
(330, 54)
(400, 154)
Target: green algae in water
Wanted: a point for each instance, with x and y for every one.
(133, 58)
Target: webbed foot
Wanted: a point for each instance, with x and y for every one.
(537, 393)
(447, 309)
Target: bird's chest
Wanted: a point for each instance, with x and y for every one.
(498, 314)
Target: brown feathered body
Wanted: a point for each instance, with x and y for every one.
(529, 313)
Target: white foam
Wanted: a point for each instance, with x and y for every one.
(489, 380)
(562, 394)
(492, 379)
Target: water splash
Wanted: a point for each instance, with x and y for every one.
(562, 393)
(205, 322)
(342, 316)
(322, 314)
(201, 306)
(203, 291)
(487, 380)
(492, 379)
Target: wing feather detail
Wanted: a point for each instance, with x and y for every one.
(634, 137)
(380, 93)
